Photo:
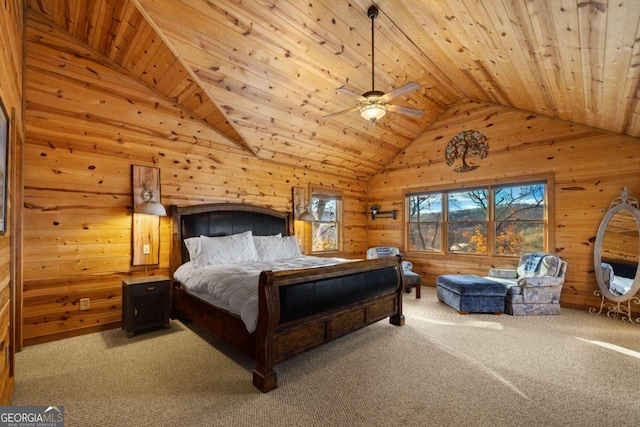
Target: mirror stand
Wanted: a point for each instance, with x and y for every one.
(616, 309)
(616, 259)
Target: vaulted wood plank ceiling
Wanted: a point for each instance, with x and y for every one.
(264, 72)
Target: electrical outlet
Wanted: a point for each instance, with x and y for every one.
(84, 303)
(146, 249)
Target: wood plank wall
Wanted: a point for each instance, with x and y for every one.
(590, 167)
(86, 124)
(11, 47)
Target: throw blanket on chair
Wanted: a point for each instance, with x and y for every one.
(533, 263)
(385, 251)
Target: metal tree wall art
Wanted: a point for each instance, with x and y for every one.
(466, 143)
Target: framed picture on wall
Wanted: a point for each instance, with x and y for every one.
(4, 144)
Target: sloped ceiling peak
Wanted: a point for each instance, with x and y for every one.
(578, 61)
(273, 67)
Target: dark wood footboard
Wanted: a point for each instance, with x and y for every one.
(278, 340)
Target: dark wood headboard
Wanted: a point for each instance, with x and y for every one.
(222, 219)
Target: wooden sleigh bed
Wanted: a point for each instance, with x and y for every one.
(297, 309)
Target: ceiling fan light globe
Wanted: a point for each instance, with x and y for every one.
(373, 112)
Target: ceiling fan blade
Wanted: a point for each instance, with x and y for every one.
(405, 88)
(414, 112)
(343, 90)
(332, 115)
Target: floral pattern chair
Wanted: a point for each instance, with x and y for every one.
(534, 287)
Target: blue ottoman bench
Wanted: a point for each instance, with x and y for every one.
(471, 294)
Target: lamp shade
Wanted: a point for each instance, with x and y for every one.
(151, 207)
(307, 216)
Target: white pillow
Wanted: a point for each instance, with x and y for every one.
(193, 244)
(193, 247)
(263, 243)
(233, 249)
(278, 248)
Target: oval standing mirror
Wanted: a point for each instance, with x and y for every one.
(617, 256)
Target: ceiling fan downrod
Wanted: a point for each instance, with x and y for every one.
(372, 13)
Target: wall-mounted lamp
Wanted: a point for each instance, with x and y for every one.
(147, 210)
(149, 205)
(307, 216)
(386, 214)
(302, 210)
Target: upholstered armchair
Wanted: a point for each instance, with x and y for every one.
(534, 287)
(411, 279)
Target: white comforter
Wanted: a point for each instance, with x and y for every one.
(236, 285)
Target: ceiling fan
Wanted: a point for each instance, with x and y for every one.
(375, 104)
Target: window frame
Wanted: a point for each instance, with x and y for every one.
(491, 185)
(332, 193)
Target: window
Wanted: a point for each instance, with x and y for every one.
(326, 229)
(467, 221)
(425, 222)
(505, 219)
(519, 219)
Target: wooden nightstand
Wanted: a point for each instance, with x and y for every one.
(145, 303)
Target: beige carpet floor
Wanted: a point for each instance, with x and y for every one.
(440, 369)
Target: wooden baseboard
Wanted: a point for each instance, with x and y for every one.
(69, 334)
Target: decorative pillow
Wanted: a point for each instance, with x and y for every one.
(271, 248)
(233, 249)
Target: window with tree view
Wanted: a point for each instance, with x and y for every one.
(467, 221)
(425, 222)
(507, 219)
(325, 230)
